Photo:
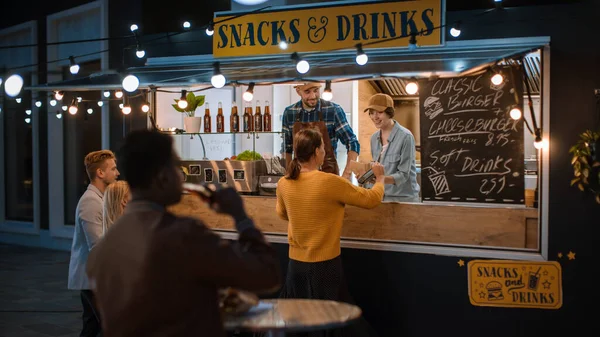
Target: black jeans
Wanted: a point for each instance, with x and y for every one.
(91, 316)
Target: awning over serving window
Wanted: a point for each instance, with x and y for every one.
(455, 58)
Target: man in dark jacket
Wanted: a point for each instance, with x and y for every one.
(157, 274)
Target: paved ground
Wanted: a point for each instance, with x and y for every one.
(34, 300)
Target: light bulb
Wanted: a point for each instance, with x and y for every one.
(145, 107)
(27, 120)
(515, 113)
(248, 96)
(107, 94)
(539, 143)
(362, 59)
(209, 31)
(218, 81)
(130, 83)
(74, 69)
(302, 67)
(79, 99)
(18, 100)
(118, 94)
(64, 108)
(126, 110)
(412, 88)
(133, 27)
(140, 53)
(58, 95)
(327, 95)
(187, 24)
(454, 32)
(100, 103)
(58, 115)
(182, 104)
(72, 109)
(120, 105)
(38, 104)
(28, 112)
(283, 45)
(53, 102)
(497, 79)
(13, 85)
(90, 111)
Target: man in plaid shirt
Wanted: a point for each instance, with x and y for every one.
(333, 116)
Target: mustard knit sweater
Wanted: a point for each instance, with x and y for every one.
(314, 206)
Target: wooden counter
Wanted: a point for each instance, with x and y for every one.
(508, 227)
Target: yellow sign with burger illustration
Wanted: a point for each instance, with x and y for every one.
(518, 284)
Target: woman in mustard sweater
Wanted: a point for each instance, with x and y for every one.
(313, 202)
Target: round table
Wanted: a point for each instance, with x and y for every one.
(279, 316)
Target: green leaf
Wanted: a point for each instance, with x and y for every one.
(177, 107)
(200, 100)
(574, 180)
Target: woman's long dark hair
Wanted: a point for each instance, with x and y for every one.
(306, 142)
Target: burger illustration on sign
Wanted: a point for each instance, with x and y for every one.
(494, 290)
(433, 107)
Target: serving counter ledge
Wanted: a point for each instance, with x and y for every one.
(499, 226)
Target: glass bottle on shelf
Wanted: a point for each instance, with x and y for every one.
(257, 118)
(207, 119)
(234, 119)
(248, 125)
(220, 119)
(267, 118)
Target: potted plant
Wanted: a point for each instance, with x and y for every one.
(586, 163)
(190, 121)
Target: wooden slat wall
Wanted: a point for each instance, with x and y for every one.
(480, 226)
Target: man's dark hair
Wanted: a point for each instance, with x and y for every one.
(143, 155)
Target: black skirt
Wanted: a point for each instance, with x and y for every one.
(323, 281)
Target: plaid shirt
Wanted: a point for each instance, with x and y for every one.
(334, 118)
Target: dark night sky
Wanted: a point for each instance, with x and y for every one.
(166, 15)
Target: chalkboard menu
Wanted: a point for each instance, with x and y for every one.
(471, 149)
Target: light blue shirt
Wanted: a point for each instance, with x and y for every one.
(88, 230)
(399, 161)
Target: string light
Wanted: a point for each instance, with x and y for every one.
(53, 102)
(27, 120)
(58, 115)
(74, 67)
(38, 104)
(497, 79)
(73, 107)
(59, 95)
(187, 25)
(217, 80)
(412, 87)
(131, 83)
(90, 111)
(140, 52)
(118, 94)
(13, 85)
(100, 103)
(327, 94)
(133, 27)
(183, 103)
(106, 94)
(146, 107)
(455, 30)
(283, 45)
(126, 109)
(28, 112)
(412, 42)
(64, 108)
(361, 56)
(249, 93)
(302, 66)
(18, 100)
(515, 113)
(210, 30)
